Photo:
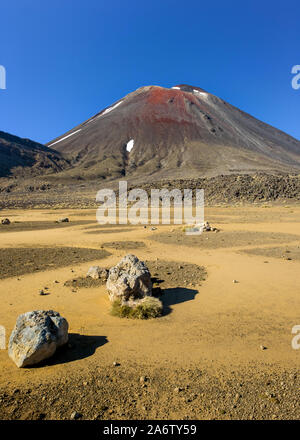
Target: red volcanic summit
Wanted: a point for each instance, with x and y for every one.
(156, 132)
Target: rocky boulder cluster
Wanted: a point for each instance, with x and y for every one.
(205, 227)
(38, 334)
(200, 228)
(63, 220)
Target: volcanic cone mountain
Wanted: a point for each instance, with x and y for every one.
(180, 132)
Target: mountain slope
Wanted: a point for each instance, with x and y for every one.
(179, 132)
(23, 157)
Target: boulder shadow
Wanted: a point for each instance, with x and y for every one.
(176, 295)
(156, 280)
(78, 347)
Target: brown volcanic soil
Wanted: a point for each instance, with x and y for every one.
(39, 225)
(20, 261)
(123, 245)
(173, 274)
(106, 231)
(287, 253)
(111, 227)
(222, 239)
(116, 393)
(84, 282)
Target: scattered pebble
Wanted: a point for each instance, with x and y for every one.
(75, 415)
(177, 390)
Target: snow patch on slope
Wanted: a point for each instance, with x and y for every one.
(200, 93)
(130, 145)
(65, 137)
(108, 110)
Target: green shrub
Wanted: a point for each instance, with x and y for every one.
(148, 307)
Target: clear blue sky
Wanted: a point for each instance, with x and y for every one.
(68, 59)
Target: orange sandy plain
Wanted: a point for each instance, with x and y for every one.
(218, 333)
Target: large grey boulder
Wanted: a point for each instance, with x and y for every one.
(97, 272)
(129, 281)
(36, 337)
